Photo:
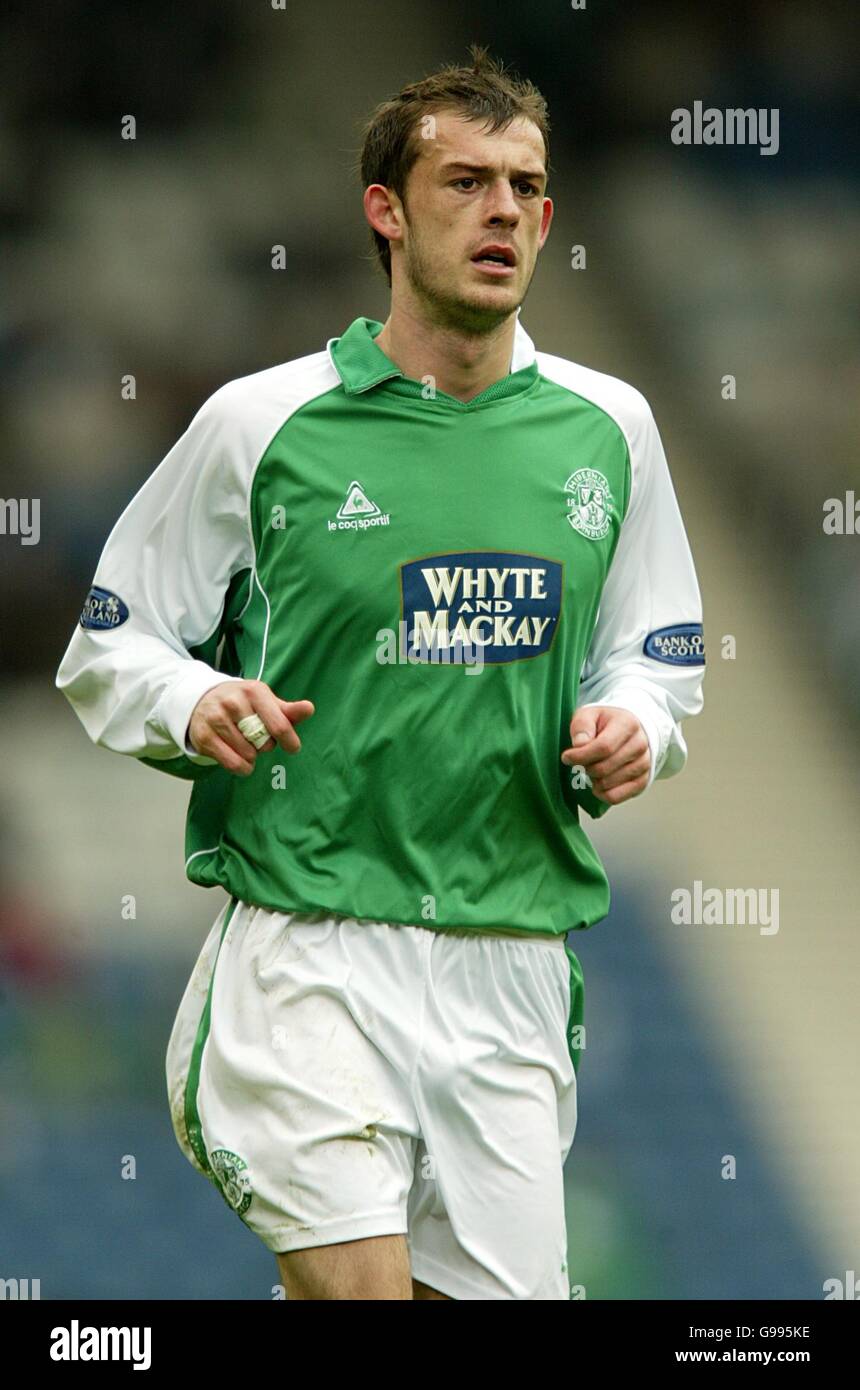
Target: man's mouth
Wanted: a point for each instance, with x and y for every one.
(496, 257)
(496, 260)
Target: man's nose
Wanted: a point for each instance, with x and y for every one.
(502, 205)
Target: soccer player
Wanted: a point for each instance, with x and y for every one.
(458, 565)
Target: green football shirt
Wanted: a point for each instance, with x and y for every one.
(447, 582)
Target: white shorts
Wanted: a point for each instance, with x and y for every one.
(338, 1078)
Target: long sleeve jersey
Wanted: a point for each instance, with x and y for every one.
(448, 582)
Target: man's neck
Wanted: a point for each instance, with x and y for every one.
(460, 364)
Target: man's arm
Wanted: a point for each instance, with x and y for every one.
(159, 591)
(646, 655)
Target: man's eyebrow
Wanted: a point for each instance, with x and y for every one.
(450, 164)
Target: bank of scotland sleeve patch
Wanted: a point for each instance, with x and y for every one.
(680, 645)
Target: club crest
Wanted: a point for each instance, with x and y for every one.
(589, 503)
(231, 1174)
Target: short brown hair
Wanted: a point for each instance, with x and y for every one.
(485, 91)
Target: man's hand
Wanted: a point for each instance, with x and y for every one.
(213, 730)
(613, 748)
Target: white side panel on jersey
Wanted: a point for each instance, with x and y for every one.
(651, 583)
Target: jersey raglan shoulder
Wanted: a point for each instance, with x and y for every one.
(254, 407)
(619, 400)
(133, 670)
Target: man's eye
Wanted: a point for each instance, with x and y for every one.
(521, 185)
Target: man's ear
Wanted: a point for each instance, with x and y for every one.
(383, 210)
(546, 221)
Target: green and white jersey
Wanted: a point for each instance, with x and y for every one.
(447, 582)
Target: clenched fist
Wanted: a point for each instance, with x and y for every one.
(613, 748)
(213, 729)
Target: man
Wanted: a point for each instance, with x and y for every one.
(460, 565)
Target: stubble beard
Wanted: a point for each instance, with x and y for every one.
(444, 309)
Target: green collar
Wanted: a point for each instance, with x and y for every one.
(360, 364)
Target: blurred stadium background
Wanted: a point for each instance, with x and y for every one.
(152, 257)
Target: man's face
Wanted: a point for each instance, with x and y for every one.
(467, 191)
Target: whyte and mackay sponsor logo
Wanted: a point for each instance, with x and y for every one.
(504, 604)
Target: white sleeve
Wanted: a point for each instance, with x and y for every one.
(647, 649)
(158, 590)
